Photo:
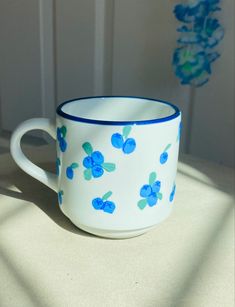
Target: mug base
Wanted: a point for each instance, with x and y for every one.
(114, 234)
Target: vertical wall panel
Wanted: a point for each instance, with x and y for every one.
(103, 48)
(74, 48)
(47, 57)
(19, 62)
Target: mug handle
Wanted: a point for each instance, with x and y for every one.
(33, 170)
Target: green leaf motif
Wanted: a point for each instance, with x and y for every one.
(167, 147)
(74, 165)
(87, 174)
(159, 195)
(109, 167)
(87, 148)
(61, 192)
(142, 203)
(126, 131)
(58, 161)
(63, 130)
(152, 178)
(107, 195)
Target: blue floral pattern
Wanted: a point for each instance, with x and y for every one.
(103, 203)
(57, 164)
(179, 132)
(61, 134)
(164, 155)
(121, 141)
(70, 170)
(200, 33)
(60, 197)
(172, 195)
(150, 192)
(94, 163)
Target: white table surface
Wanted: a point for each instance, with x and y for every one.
(186, 261)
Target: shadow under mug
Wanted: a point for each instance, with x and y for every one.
(116, 162)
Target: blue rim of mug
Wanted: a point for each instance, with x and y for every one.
(113, 122)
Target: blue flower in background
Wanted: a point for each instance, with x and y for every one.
(103, 203)
(213, 33)
(193, 10)
(94, 163)
(150, 192)
(192, 65)
(61, 134)
(198, 35)
(122, 141)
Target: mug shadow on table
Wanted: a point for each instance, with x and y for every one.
(44, 198)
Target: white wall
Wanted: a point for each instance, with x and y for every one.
(144, 39)
(213, 128)
(74, 48)
(20, 84)
(124, 47)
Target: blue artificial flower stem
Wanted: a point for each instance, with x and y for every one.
(190, 118)
(200, 33)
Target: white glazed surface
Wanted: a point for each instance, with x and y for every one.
(131, 173)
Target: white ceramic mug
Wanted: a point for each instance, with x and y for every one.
(116, 162)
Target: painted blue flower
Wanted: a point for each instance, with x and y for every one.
(109, 207)
(172, 195)
(61, 134)
(121, 141)
(98, 203)
(150, 192)
(179, 132)
(103, 203)
(94, 163)
(97, 171)
(60, 197)
(57, 163)
(70, 170)
(198, 35)
(164, 154)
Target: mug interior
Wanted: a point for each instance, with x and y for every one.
(118, 110)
